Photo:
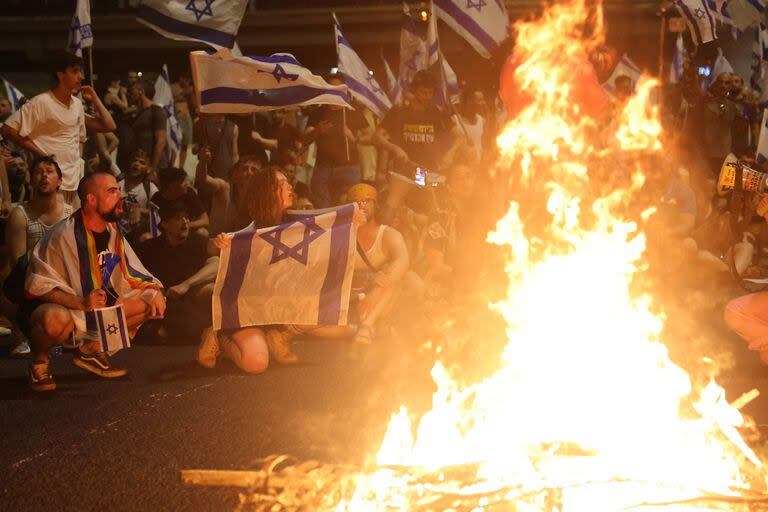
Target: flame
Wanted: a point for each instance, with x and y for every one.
(586, 400)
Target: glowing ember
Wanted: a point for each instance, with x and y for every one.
(586, 412)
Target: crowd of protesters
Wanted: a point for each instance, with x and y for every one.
(420, 176)
(106, 158)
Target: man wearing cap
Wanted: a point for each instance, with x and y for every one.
(382, 262)
(175, 188)
(181, 260)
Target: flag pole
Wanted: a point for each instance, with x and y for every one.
(344, 130)
(662, 36)
(343, 109)
(90, 63)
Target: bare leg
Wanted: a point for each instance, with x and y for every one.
(247, 348)
(51, 325)
(220, 201)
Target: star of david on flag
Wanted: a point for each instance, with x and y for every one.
(297, 273)
(699, 18)
(81, 30)
(214, 22)
(280, 74)
(483, 23)
(199, 13)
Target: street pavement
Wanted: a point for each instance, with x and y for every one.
(120, 445)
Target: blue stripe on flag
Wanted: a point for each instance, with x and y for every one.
(239, 256)
(468, 24)
(123, 327)
(275, 59)
(182, 28)
(410, 25)
(362, 90)
(283, 97)
(691, 21)
(330, 293)
(343, 40)
(757, 5)
(102, 331)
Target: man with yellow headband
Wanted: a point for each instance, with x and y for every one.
(382, 262)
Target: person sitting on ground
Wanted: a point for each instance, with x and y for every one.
(269, 196)
(181, 261)
(54, 122)
(28, 224)
(382, 262)
(137, 190)
(174, 187)
(66, 277)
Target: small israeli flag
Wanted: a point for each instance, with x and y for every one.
(154, 221)
(209, 21)
(81, 30)
(483, 23)
(362, 85)
(395, 93)
(625, 67)
(449, 83)
(13, 95)
(699, 18)
(413, 51)
(164, 98)
(226, 84)
(110, 328)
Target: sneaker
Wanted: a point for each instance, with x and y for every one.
(21, 349)
(209, 349)
(99, 364)
(40, 378)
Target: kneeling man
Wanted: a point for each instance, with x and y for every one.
(83, 264)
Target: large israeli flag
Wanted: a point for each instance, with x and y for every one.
(13, 94)
(395, 92)
(297, 273)
(209, 21)
(81, 29)
(226, 84)
(483, 23)
(362, 85)
(449, 83)
(413, 51)
(111, 328)
(699, 18)
(164, 98)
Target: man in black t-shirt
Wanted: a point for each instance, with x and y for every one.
(147, 131)
(174, 188)
(181, 260)
(337, 167)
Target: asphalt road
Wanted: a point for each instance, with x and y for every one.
(120, 445)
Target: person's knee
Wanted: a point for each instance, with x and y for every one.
(735, 315)
(55, 322)
(253, 361)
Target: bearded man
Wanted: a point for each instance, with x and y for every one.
(83, 264)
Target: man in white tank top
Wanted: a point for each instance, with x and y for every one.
(382, 262)
(31, 220)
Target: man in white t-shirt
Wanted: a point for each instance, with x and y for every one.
(54, 122)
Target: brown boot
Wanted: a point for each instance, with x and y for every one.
(279, 343)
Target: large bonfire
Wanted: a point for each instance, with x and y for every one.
(586, 411)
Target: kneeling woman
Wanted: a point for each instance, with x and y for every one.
(269, 196)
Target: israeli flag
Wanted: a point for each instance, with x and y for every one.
(742, 14)
(625, 67)
(759, 54)
(109, 327)
(449, 83)
(164, 98)
(154, 221)
(483, 23)
(699, 18)
(226, 84)
(81, 29)
(719, 9)
(13, 95)
(676, 68)
(209, 21)
(299, 272)
(395, 93)
(413, 51)
(762, 141)
(362, 85)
